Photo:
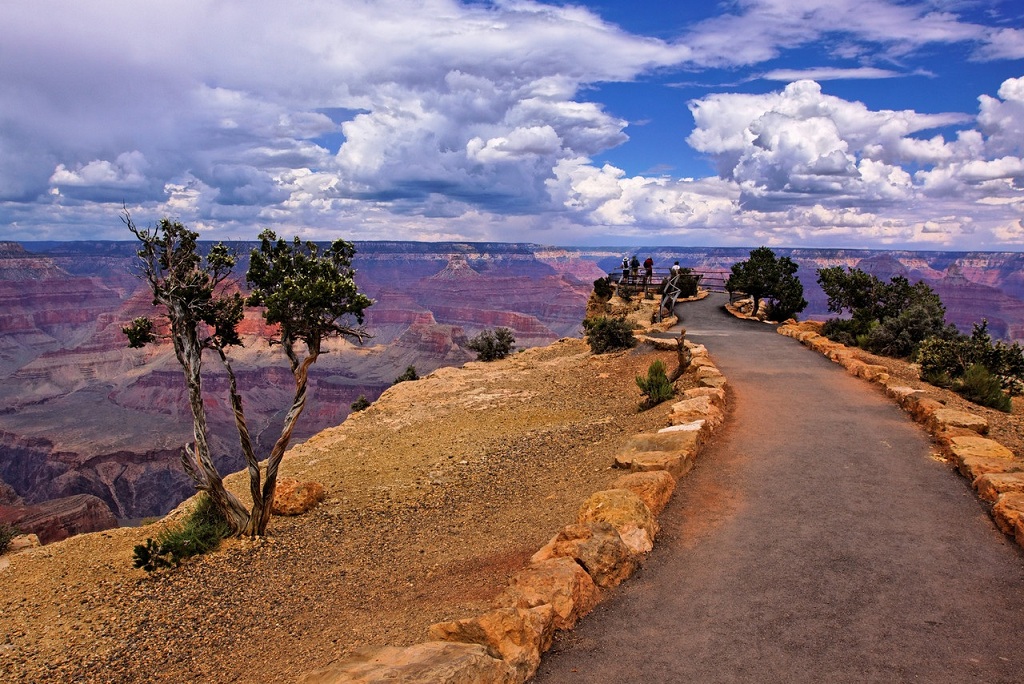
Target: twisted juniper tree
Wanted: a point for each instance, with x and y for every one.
(307, 294)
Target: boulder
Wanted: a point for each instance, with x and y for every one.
(966, 446)
(973, 467)
(517, 636)
(292, 497)
(22, 542)
(674, 462)
(922, 408)
(951, 418)
(990, 485)
(708, 370)
(654, 487)
(714, 381)
(597, 547)
(696, 408)
(1009, 515)
(716, 395)
(426, 663)
(560, 582)
(873, 373)
(901, 392)
(671, 451)
(627, 513)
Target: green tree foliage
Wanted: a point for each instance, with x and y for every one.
(409, 374)
(605, 334)
(308, 294)
(656, 386)
(491, 345)
(945, 360)
(774, 279)
(360, 404)
(603, 289)
(886, 318)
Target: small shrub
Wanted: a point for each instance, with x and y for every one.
(656, 387)
(491, 345)
(953, 354)
(983, 388)
(409, 374)
(200, 532)
(608, 334)
(7, 534)
(360, 404)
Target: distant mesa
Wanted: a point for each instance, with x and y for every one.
(457, 268)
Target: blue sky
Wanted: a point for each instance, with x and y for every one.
(817, 123)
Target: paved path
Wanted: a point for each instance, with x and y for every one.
(815, 541)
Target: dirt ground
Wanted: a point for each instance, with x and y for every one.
(436, 494)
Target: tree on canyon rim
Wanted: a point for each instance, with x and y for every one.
(307, 294)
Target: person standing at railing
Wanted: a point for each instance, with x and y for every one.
(634, 268)
(625, 269)
(648, 272)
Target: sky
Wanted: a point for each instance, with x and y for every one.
(789, 123)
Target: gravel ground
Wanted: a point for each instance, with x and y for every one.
(436, 494)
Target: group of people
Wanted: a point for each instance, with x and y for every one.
(631, 270)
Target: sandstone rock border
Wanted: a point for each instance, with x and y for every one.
(614, 529)
(995, 473)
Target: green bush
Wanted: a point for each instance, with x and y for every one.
(608, 334)
(954, 354)
(491, 345)
(409, 374)
(360, 404)
(201, 531)
(7, 534)
(841, 330)
(891, 319)
(983, 388)
(603, 289)
(656, 387)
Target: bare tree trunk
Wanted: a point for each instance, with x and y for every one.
(196, 460)
(252, 463)
(683, 355)
(262, 509)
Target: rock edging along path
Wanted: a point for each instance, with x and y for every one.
(995, 473)
(815, 541)
(614, 530)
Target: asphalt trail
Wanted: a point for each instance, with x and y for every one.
(815, 541)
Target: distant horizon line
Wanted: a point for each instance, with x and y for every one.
(616, 248)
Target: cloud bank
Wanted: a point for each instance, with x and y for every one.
(442, 120)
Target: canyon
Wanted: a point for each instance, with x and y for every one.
(81, 414)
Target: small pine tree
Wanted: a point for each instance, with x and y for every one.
(360, 404)
(656, 387)
(409, 374)
(491, 345)
(981, 387)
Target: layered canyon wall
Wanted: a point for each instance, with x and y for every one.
(80, 413)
